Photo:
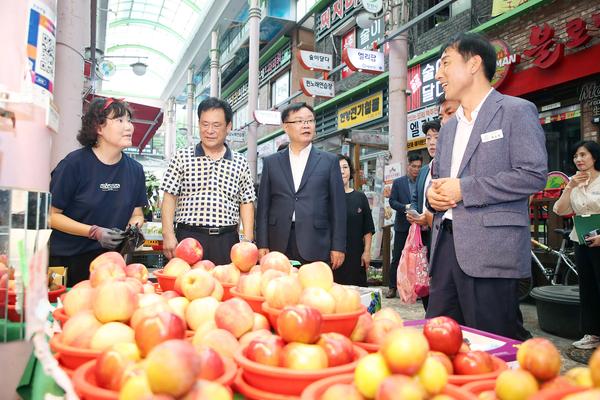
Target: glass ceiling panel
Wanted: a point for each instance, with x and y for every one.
(157, 31)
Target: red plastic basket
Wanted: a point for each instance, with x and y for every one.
(166, 282)
(72, 357)
(343, 323)
(285, 381)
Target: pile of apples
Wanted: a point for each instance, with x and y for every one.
(539, 367)
(372, 329)
(299, 343)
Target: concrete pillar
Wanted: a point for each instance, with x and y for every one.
(254, 37)
(398, 58)
(170, 129)
(72, 37)
(215, 87)
(191, 89)
(24, 147)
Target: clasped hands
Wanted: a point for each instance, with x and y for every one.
(444, 193)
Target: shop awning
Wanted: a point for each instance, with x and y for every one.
(146, 120)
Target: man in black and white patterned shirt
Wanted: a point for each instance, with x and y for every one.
(207, 189)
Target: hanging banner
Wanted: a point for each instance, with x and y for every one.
(371, 62)
(314, 61)
(267, 117)
(41, 45)
(359, 112)
(317, 87)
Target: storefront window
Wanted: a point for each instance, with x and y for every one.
(240, 117)
(563, 129)
(280, 90)
(303, 7)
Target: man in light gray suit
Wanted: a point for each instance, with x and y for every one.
(490, 157)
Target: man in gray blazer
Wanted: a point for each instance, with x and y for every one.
(490, 157)
(301, 202)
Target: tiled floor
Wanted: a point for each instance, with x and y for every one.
(530, 319)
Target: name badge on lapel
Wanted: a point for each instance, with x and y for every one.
(492, 135)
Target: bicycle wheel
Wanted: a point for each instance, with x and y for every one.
(525, 286)
(571, 278)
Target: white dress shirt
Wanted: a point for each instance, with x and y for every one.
(427, 182)
(298, 165)
(461, 139)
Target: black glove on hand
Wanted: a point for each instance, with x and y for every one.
(108, 238)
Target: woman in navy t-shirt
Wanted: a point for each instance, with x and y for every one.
(96, 191)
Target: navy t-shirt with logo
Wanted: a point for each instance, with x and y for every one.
(93, 193)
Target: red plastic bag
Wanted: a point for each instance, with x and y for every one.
(413, 277)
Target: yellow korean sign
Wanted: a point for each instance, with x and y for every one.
(416, 144)
(359, 112)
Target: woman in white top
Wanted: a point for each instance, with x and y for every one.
(582, 197)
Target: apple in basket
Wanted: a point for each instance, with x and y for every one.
(516, 384)
(137, 271)
(234, 315)
(110, 257)
(207, 390)
(197, 283)
(405, 350)
(189, 250)
(540, 357)
(211, 364)
(341, 391)
(113, 362)
(265, 350)
(400, 387)
(299, 323)
(443, 334)
(244, 255)
(155, 329)
(472, 362)
(339, 348)
(176, 267)
(302, 356)
(275, 260)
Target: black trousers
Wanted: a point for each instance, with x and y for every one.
(487, 304)
(78, 265)
(399, 241)
(588, 270)
(292, 251)
(217, 248)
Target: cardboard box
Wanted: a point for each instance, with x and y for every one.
(59, 274)
(499, 346)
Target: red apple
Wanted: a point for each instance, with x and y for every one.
(260, 322)
(110, 334)
(244, 255)
(472, 362)
(207, 390)
(207, 265)
(370, 371)
(443, 334)
(405, 350)
(400, 387)
(540, 357)
(303, 356)
(265, 350)
(339, 348)
(380, 329)
(211, 364)
(341, 391)
(235, 315)
(189, 250)
(172, 367)
(249, 336)
(316, 274)
(148, 311)
(78, 299)
(227, 273)
(318, 298)
(267, 277)
(299, 323)
(283, 291)
(158, 328)
(197, 283)
(112, 364)
(516, 384)
(220, 340)
(79, 330)
(176, 267)
(200, 311)
(106, 272)
(444, 359)
(110, 257)
(114, 301)
(275, 260)
(249, 284)
(363, 326)
(137, 271)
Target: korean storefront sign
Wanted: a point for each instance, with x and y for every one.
(590, 97)
(315, 61)
(425, 89)
(359, 112)
(334, 15)
(317, 87)
(348, 40)
(505, 62)
(415, 120)
(368, 61)
(546, 50)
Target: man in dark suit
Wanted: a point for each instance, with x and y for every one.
(402, 189)
(301, 202)
(490, 157)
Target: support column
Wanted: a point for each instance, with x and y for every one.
(215, 87)
(170, 129)
(398, 58)
(73, 35)
(191, 89)
(254, 37)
